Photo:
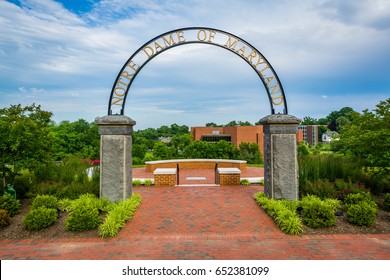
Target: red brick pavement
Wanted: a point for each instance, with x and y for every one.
(201, 223)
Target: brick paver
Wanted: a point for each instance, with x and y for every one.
(201, 223)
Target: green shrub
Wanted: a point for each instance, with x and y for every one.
(289, 222)
(47, 201)
(23, 182)
(92, 201)
(137, 183)
(334, 203)
(7, 202)
(148, 182)
(355, 198)
(40, 218)
(361, 214)
(245, 182)
(262, 182)
(321, 188)
(118, 216)
(386, 202)
(283, 212)
(5, 219)
(83, 217)
(66, 204)
(317, 213)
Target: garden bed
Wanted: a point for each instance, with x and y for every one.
(16, 231)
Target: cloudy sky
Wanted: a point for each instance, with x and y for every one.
(65, 55)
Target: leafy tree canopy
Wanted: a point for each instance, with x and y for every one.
(366, 137)
(25, 139)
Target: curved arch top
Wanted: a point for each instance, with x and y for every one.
(194, 35)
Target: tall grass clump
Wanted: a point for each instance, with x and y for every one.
(283, 212)
(330, 167)
(118, 215)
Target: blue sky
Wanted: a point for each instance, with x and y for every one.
(65, 55)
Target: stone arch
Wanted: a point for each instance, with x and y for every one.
(280, 157)
(197, 35)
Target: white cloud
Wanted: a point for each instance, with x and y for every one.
(318, 48)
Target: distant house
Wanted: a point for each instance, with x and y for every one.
(329, 136)
(165, 140)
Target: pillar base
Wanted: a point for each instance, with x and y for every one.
(115, 157)
(280, 156)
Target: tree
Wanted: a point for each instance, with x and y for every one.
(25, 139)
(212, 124)
(76, 138)
(232, 123)
(250, 152)
(346, 112)
(309, 121)
(246, 123)
(367, 138)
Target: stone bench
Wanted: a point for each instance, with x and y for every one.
(228, 176)
(165, 177)
(150, 166)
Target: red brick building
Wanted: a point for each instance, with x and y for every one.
(234, 134)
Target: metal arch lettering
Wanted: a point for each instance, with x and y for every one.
(197, 35)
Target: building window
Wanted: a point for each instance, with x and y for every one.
(216, 138)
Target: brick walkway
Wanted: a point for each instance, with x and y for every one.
(201, 223)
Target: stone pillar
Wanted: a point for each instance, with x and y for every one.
(115, 157)
(280, 156)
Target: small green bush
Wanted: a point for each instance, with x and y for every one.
(386, 202)
(118, 216)
(66, 204)
(7, 202)
(83, 217)
(355, 198)
(361, 214)
(47, 201)
(5, 219)
(148, 182)
(92, 201)
(137, 183)
(317, 213)
(40, 218)
(245, 182)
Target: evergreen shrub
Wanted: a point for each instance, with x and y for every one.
(83, 217)
(356, 198)
(13, 206)
(361, 214)
(5, 219)
(47, 201)
(40, 218)
(317, 213)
